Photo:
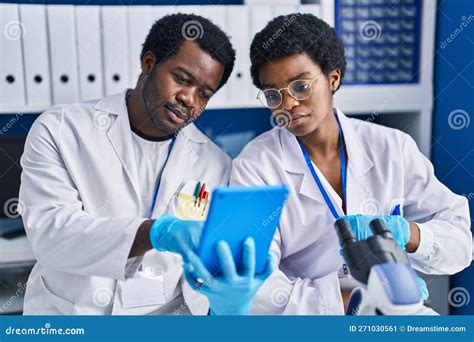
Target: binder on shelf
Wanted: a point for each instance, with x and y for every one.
(259, 17)
(239, 89)
(12, 82)
(36, 57)
(217, 15)
(284, 10)
(140, 19)
(63, 53)
(89, 48)
(189, 9)
(160, 11)
(115, 49)
(311, 9)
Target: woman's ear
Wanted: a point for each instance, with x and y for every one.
(334, 79)
(148, 62)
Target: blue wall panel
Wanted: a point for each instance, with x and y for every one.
(453, 131)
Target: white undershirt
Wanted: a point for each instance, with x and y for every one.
(335, 197)
(150, 157)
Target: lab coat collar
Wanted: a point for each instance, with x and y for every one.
(358, 164)
(358, 160)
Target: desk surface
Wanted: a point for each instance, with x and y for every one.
(16, 252)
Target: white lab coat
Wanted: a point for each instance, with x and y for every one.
(81, 209)
(385, 168)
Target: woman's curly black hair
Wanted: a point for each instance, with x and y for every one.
(168, 33)
(294, 34)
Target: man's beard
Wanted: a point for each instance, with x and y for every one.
(149, 92)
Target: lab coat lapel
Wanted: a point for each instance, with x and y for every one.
(180, 166)
(359, 166)
(295, 165)
(119, 134)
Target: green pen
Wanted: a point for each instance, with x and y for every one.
(196, 192)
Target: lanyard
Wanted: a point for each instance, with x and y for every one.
(159, 178)
(318, 181)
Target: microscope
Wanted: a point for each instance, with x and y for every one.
(389, 282)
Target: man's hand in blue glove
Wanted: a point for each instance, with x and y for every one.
(231, 293)
(171, 234)
(399, 227)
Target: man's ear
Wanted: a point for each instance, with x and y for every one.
(334, 79)
(148, 62)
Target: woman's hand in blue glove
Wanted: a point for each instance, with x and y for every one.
(231, 293)
(399, 227)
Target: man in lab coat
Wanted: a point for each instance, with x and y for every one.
(96, 175)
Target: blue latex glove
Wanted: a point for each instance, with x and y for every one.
(231, 293)
(422, 286)
(400, 229)
(171, 234)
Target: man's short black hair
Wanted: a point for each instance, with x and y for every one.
(294, 34)
(168, 33)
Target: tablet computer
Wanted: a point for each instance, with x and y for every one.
(236, 213)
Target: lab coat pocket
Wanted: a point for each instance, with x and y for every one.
(187, 206)
(64, 306)
(145, 289)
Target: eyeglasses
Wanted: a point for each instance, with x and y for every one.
(298, 89)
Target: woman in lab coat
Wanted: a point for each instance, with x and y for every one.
(361, 168)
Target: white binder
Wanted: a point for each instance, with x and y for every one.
(161, 11)
(240, 85)
(115, 49)
(311, 9)
(216, 14)
(284, 10)
(12, 83)
(140, 19)
(188, 9)
(260, 16)
(62, 49)
(36, 57)
(89, 48)
(91, 80)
